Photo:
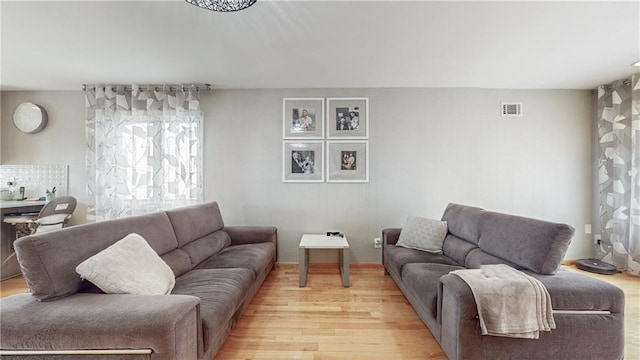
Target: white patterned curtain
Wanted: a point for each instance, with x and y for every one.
(618, 147)
(144, 149)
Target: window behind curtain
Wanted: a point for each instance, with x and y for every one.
(144, 151)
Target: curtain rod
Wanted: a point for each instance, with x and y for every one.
(201, 87)
(626, 82)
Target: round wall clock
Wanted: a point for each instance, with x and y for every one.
(30, 118)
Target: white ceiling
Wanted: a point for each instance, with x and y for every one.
(54, 45)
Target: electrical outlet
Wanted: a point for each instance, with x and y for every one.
(597, 239)
(377, 243)
(587, 229)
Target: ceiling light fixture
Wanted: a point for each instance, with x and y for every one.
(637, 63)
(222, 5)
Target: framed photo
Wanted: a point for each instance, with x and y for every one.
(302, 161)
(348, 161)
(347, 118)
(303, 118)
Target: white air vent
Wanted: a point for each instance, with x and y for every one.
(511, 109)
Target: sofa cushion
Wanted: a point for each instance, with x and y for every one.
(178, 260)
(424, 280)
(130, 266)
(423, 234)
(477, 258)
(256, 257)
(48, 261)
(205, 247)
(457, 249)
(533, 244)
(193, 222)
(464, 221)
(396, 257)
(575, 291)
(221, 293)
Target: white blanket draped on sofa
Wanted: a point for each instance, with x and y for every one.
(510, 303)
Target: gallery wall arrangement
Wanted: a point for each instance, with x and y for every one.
(329, 145)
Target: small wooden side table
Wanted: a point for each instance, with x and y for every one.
(320, 241)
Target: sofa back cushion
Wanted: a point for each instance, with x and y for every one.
(464, 221)
(533, 244)
(457, 249)
(48, 261)
(184, 259)
(521, 242)
(203, 248)
(194, 222)
(178, 260)
(476, 258)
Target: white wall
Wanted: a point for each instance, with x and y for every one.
(428, 147)
(61, 142)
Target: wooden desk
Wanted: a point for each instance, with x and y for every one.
(8, 234)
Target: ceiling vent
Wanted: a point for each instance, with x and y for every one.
(511, 109)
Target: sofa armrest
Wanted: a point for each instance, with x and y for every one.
(251, 234)
(457, 316)
(169, 325)
(596, 312)
(390, 236)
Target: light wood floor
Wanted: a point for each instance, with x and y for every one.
(369, 320)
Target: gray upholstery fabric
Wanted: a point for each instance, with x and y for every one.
(576, 337)
(90, 319)
(533, 244)
(178, 260)
(477, 257)
(194, 222)
(397, 257)
(464, 221)
(251, 234)
(255, 257)
(571, 291)
(221, 292)
(82, 357)
(476, 237)
(391, 236)
(421, 277)
(48, 261)
(205, 247)
(166, 323)
(457, 249)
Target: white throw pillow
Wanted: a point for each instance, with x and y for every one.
(423, 234)
(130, 266)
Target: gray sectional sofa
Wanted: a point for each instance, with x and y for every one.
(589, 313)
(218, 271)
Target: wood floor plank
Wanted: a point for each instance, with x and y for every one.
(370, 320)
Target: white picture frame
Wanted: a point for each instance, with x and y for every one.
(295, 110)
(347, 161)
(347, 118)
(303, 161)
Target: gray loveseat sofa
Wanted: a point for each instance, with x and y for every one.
(218, 271)
(590, 313)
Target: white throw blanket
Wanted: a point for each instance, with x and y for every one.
(510, 303)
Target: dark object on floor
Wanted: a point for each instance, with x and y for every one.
(596, 266)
